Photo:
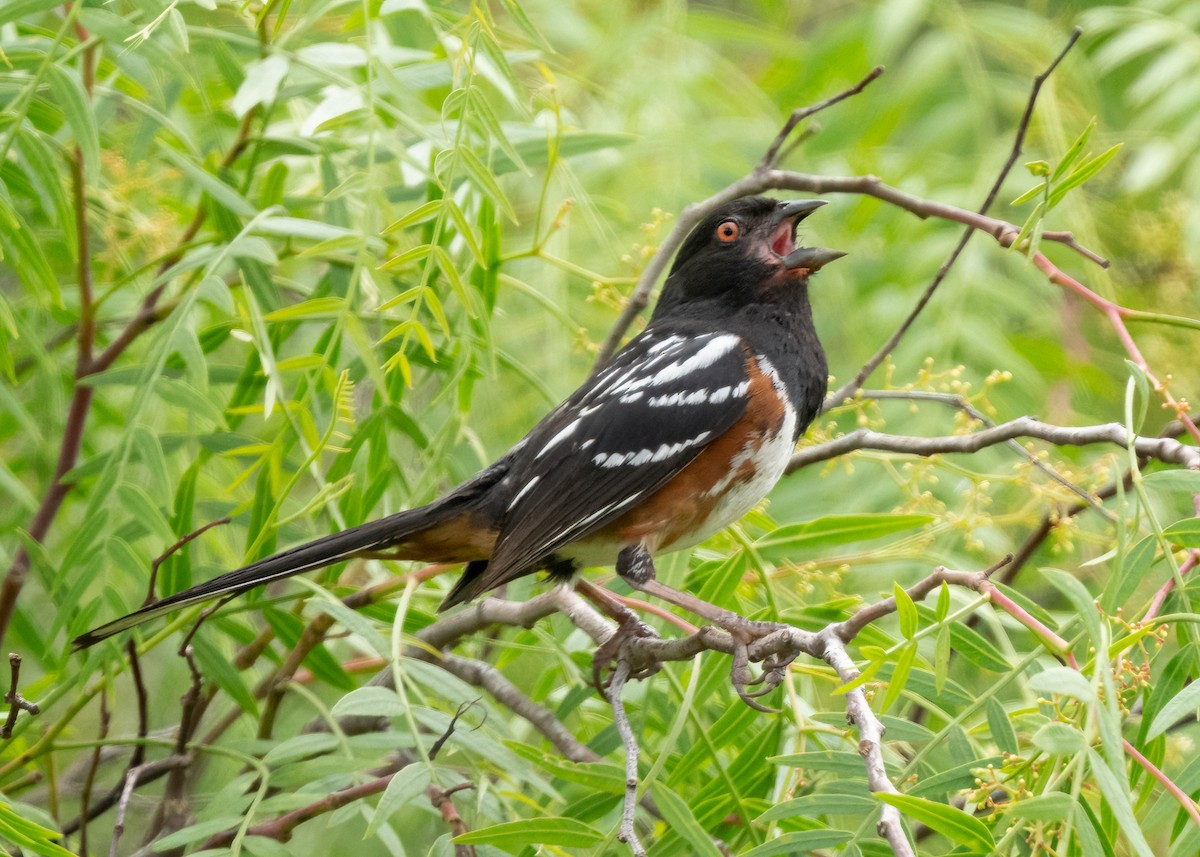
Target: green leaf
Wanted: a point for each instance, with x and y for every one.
(369, 701)
(1001, 727)
(836, 530)
(1064, 681)
(800, 842)
(1116, 793)
(1185, 533)
(1073, 153)
(1187, 701)
(1060, 739)
(899, 676)
(326, 306)
(1130, 571)
(817, 805)
(23, 832)
(486, 181)
(136, 503)
(952, 823)
(1047, 808)
(220, 192)
(1080, 598)
(1082, 174)
(13, 10)
(406, 785)
(841, 762)
(512, 836)
(218, 667)
(70, 97)
(941, 660)
(943, 602)
(679, 816)
(907, 611)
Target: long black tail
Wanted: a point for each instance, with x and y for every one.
(375, 535)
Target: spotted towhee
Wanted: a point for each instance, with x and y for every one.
(685, 430)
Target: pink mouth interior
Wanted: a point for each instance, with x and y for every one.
(783, 242)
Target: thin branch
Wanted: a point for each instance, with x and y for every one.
(441, 800)
(799, 115)
(281, 828)
(169, 552)
(1167, 450)
(626, 834)
(89, 781)
(16, 702)
(870, 743)
(847, 390)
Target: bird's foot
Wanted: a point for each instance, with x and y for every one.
(745, 633)
(629, 627)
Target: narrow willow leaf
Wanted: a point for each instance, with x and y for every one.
(899, 676)
(1073, 153)
(1082, 174)
(420, 214)
(406, 785)
(70, 97)
(1001, 727)
(1064, 681)
(419, 252)
(1116, 793)
(1185, 533)
(486, 181)
(837, 530)
(1187, 701)
(221, 193)
(800, 842)
(326, 306)
(679, 816)
(1080, 598)
(1060, 739)
(907, 611)
(564, 832)
(941, 661)
(952, 823)
(943, 602)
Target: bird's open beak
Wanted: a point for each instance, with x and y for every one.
(783, 237)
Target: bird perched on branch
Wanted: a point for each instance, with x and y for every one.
(684, 431)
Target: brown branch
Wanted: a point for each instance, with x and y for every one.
(799, 115)
(16, 702)
(847, 390)
(440, 798)
(171, 551)
(87, 364)
(281, 828)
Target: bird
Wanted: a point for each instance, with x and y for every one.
(685, 429)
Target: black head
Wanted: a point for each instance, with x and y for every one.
(742, 253)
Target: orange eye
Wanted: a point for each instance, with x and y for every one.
(729, 231)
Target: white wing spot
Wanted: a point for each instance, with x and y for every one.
(558, 438)
(709, 354)
(524, 490)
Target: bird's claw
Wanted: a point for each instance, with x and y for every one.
(774, 667)
(628, 628)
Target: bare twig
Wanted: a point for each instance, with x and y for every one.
(171, 551)
(1167, 450)
(627, 834)
(847, 390)
(441, 800)
(281, 828)
(89, 781)
(16, 702)
(870, 742)
(799, 115)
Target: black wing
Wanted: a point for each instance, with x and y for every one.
(622, 436)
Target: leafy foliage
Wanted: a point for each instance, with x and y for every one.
(329, 258)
